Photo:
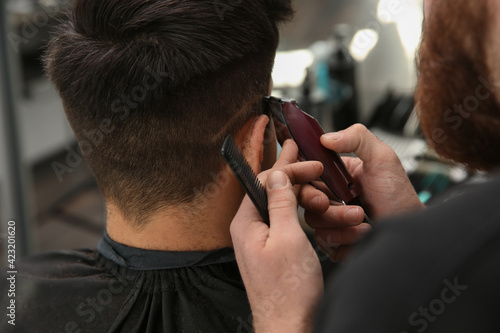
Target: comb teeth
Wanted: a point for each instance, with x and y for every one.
(245, 175)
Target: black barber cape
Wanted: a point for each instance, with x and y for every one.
(123, 289)
(435, 271)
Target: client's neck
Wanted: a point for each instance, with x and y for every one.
(178, 229)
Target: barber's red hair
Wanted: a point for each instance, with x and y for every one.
(456, 95)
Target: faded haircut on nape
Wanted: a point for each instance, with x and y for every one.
(152, 87)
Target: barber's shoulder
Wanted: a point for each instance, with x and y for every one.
(473, 205)
(400, 265)
(448, 232)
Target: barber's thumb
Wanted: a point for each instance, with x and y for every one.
(282, 203)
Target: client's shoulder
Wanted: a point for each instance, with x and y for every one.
(59, 264)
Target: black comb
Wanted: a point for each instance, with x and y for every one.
(245, 175)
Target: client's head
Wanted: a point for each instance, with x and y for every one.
(152, 87)
(458, 90)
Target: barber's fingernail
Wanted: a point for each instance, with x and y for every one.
(277, 179)
(364, 229)
(317, 201)
(332, 136)
(352, 214)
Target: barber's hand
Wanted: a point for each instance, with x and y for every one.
(279, 267)
(387, 191)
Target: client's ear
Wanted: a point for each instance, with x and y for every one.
(251, 141)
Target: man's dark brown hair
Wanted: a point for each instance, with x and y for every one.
(152, 87)
(457, 96)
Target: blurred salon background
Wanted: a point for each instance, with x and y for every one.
(344, 61)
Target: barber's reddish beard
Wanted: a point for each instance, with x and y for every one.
(458, 110)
